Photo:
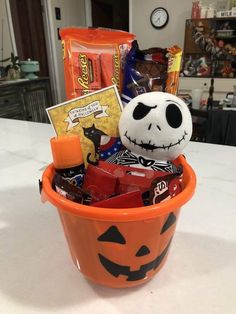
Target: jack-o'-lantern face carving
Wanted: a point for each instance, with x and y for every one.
(120, 254)
(156, 125)
(113, 235)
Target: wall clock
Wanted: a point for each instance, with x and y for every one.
(159, 18)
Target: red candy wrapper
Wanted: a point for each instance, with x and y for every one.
(163, 189)
(110, 65)
(99, 183)
(127, 200)
(130, 178)
(86, 71)
(70, 191)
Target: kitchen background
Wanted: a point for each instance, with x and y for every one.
(79, 13)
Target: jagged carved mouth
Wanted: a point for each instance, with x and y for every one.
(116, 269)
(152, 147)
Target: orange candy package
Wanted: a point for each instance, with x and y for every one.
(174, 65)
(93, 59)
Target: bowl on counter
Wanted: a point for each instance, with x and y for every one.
(29, 68)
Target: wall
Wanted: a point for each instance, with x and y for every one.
(5, 40)
(172, 33)
(72, 14)
(147, 35)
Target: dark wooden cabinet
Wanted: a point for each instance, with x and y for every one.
(26, 100)
(11, 105)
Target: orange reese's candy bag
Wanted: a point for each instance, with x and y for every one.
(93, 58)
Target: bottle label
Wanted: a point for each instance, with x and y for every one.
(77, 180)
(60, 191)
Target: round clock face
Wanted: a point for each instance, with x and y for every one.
(159, 17)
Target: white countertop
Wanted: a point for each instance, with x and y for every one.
(37, 274)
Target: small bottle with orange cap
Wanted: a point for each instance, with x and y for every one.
(68, 158)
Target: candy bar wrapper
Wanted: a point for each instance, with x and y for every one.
(86, 71)
(165, 188)
(99, 183)
(130, 178)
(131, 182)
(111, 69)
(174, 65)
(127, 200)
(140, 86)
(79, 92)
(145, 71)
(70, 191)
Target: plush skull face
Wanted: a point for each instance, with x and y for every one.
(156, 125)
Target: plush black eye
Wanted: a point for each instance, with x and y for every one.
(112, 235)
(141, 110)
(173, 116)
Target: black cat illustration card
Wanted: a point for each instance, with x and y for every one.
(90, 116)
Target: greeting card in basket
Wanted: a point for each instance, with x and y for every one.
(90, 116)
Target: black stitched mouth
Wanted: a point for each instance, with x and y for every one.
(116, 269)
(149, 146)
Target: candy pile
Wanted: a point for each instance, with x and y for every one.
(108, 184)
(98, 58)
(113, 155)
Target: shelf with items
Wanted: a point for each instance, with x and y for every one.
(226, 37)
(210, 48)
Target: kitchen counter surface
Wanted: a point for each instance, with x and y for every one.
(37, 274)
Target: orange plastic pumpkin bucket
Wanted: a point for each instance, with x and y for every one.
(119, 247)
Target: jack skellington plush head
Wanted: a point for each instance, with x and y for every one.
(156, 125)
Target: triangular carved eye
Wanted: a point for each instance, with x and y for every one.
(112, 235)
(169, 222)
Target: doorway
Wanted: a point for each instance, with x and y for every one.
(29, 32)
(110, 14)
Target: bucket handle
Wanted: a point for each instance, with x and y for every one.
(44, 198)
(40, 186)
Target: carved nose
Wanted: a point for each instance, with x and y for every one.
(150, 126)
(144, 250)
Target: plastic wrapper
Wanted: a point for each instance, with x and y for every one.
(174, 65)
(145, 71)
(127, 200)
(155, 186)
(93, 58)
(99, 183)
(70, 191)
(165, 188)
(153, 69)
